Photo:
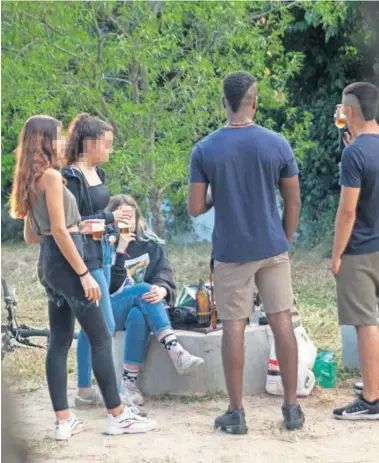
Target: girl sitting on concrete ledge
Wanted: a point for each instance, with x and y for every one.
(141, 287)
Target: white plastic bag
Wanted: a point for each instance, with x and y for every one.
(305, 378)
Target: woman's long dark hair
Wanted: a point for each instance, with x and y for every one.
(83, 127)
(35, 154)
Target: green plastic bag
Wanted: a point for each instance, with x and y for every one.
(187, 296)
(325, 369)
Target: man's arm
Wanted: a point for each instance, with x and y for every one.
(290, 192)
(350, 181)
(345, 220)
(199, 193)
(199, 199)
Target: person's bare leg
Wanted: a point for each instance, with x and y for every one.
(286, 352)
(233, 355)
(63, 415)
(368, 346)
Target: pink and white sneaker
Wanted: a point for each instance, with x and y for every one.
(127, 423)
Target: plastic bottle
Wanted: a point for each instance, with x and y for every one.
(325, 370)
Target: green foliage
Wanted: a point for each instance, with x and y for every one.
(154, 71)
(329, 65)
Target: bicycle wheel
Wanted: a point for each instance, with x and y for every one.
(31, 332)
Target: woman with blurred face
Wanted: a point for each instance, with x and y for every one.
(41, 198)
(89, 143)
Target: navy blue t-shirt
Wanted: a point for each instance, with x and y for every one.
(243, 167)
(360, 169)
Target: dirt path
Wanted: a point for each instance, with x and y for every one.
(184, 434)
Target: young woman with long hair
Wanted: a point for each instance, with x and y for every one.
(142, 285)
(40, 197)
(89, 143)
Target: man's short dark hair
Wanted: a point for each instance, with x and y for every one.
(367, 95)
(236, 86)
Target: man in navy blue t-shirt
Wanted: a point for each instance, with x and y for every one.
(243, 165)
(356, 243)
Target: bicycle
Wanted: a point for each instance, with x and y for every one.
(14, 335)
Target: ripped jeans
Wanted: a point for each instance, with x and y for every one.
(67, 302)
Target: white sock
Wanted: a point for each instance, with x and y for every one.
(172, 346)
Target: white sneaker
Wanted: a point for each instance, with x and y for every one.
(185, 363)
(131, 391)
(94, 400)
(63, 430)
(127, 423)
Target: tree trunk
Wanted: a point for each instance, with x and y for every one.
(155, 201)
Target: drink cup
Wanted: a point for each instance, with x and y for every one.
(98, 228)
(340, 117)
(124, 229)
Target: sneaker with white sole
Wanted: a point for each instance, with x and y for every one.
(185, 363)
(358, 409)
(64, 429)
(130, 390)
(127, 423)
(94, 400)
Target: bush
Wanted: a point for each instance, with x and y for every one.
(11, 230)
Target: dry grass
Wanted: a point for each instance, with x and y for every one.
(313, 284)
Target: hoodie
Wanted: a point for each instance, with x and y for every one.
(76, 183)
(143, 261)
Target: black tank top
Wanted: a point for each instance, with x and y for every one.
(100, 197)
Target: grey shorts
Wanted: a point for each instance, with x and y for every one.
(235, 284)
(358, 290)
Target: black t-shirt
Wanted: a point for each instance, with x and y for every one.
(360, 169)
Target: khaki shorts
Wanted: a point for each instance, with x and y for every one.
(358, 290)
(235, 283)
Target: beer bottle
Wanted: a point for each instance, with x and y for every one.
(203, 313)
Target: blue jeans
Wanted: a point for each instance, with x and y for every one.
(83, 351)
(107, 257)
(130, 311)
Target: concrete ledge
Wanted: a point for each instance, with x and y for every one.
(158, 375)
(350, 354)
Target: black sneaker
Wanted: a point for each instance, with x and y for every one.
(358, 409)
(293, 417)
(232, 422)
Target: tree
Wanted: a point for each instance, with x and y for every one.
(339, 43)
(153, 70)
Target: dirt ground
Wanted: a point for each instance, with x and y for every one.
(184, 434)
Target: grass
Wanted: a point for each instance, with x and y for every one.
(313, 285)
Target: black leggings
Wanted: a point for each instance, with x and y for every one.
(67, 301)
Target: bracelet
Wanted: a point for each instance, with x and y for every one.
(83, 274)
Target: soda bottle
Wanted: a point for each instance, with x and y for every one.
(203, 313)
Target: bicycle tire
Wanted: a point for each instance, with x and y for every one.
(31, 332)
(5, 288)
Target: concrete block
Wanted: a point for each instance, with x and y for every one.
(158, 375)
(350, 355)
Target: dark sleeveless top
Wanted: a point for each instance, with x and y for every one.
(100, 197)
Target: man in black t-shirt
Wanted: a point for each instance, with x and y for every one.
(356, 244)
